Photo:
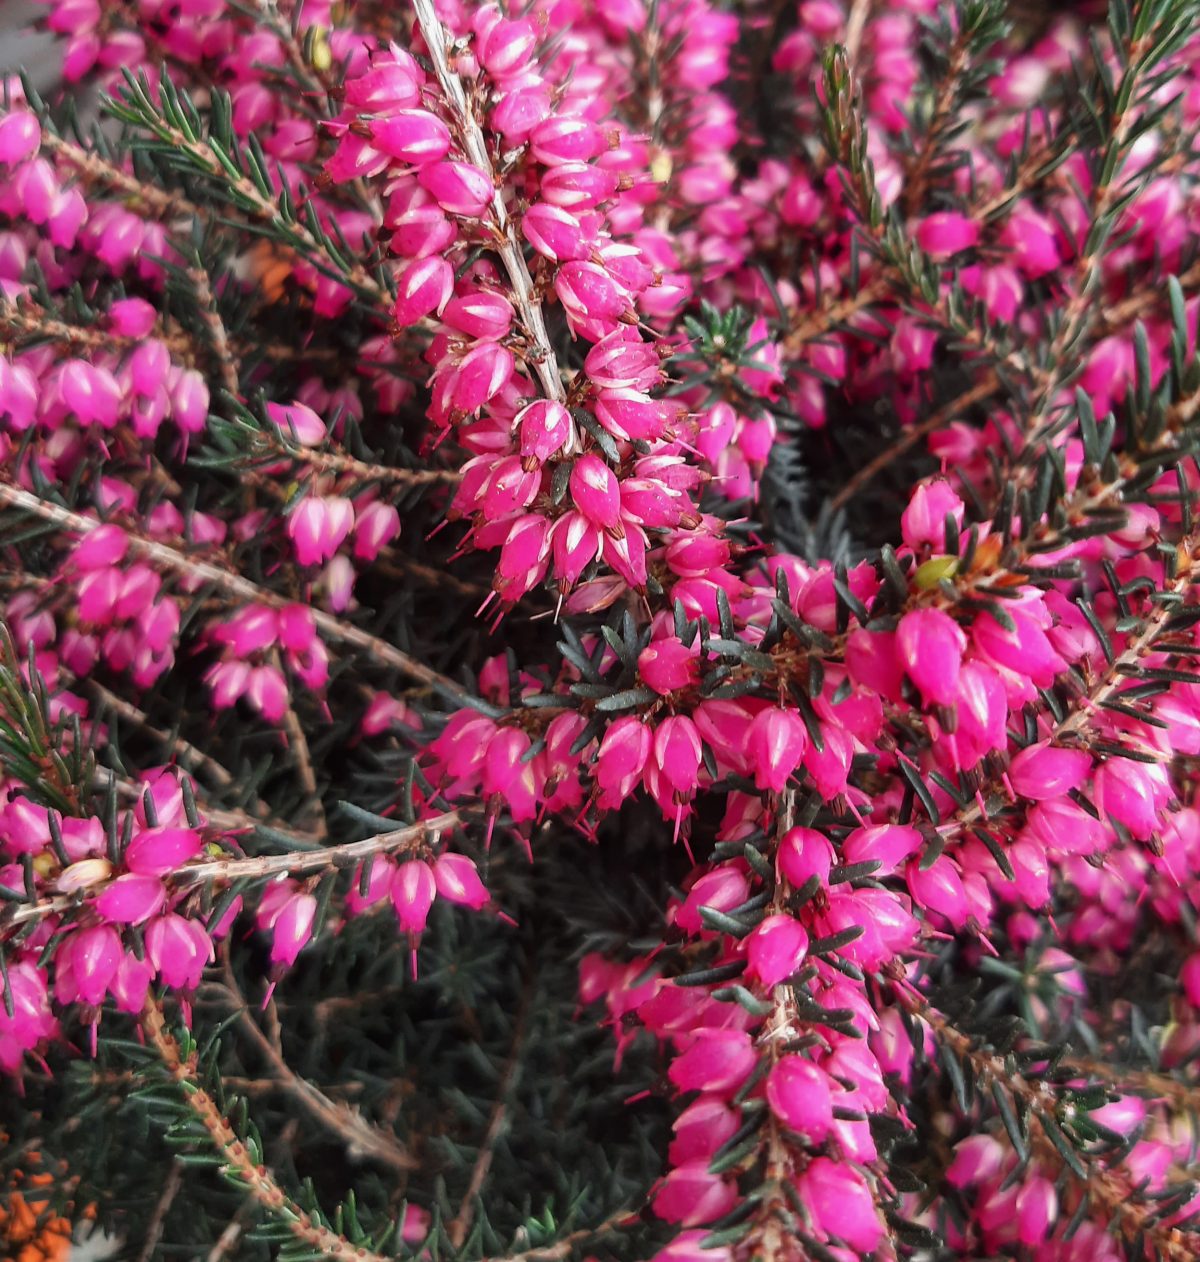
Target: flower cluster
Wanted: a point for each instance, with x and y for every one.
(811, 393)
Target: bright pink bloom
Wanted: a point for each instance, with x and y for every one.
(776, 949)
(841, 1203)
(924, 520)
(776, 743)
(413, 889)
(799, 1096)
(1045, 771)
(715, 1060)
(457, 881)
(946, 233)
(690, 1195)
(930, 646)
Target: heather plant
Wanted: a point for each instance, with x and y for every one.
(599, 645)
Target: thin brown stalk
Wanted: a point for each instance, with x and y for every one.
(165, 204)
(297, 743)
(239, 1164)
(359, 1136)
(461, 1224)
(228, 365)
(345, 855)
(909, 437)
(158, 1219)
(234, 585)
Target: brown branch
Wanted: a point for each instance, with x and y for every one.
(360, 1137)
(169, 1193)
(228, 365)
(457, 1230)
(917, 169)
(233, 585)
(164, 204)
(302, 756)
(296, 862)
(909, 437)
(239, 1164)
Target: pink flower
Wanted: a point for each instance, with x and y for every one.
(691, 1195)
(178, 949)
(457, 881)
(706, 1124)
(930, 646)
(157, 851)
(595, 492)
(715, 1060)
(411, 135)
(621, 757)
(804, 853)
(298, 422)
(413, 889)
(776, 949)
(424, 286)
(20, 137)
(946, 233)
(841, 1203)
(317, 526)
(799, 1096)
(667, 665)
(777, 741)
(92, 955)
(1044, 771)
(292, 928)
(924, 520)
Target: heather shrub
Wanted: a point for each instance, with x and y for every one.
(599, 642)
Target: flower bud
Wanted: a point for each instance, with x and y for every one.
(425, 285)
(776, 742)
(930, 646)
(596, 492)
(798, 1094)
(292, 928)
(1045, 771)
(690, 1195)
(457, 881)
(946, 233)
(840, 1202)
(923, 522)
(413, 889)
(411, 135)
(804, 853)
(776, 949)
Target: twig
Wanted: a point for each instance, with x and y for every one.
(87, 162)
(909, 437)
(856, 25)
(228, 1239)
(298, 744)
(337, 462)
(360, 1137)
(295, 862)
(239, 1163)
(458, 1229)
(233, 585)
(154, 1231)
(228, 365)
